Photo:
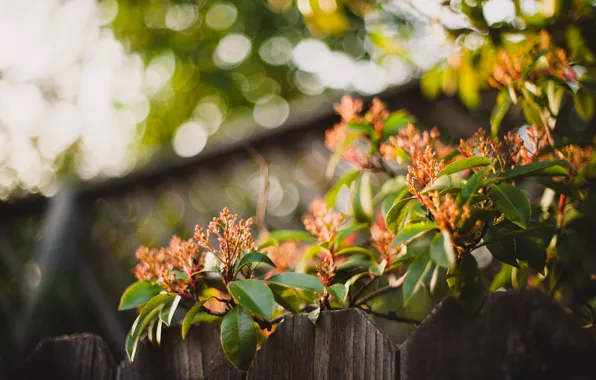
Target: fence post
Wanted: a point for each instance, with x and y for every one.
(80, 356)
(517, 335)
(199, 356)
(345, 344)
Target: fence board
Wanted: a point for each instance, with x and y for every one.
(339, 340)
(80, 356)
(199, 356)
(517, 335)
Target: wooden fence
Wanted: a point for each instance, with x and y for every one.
(517, 335)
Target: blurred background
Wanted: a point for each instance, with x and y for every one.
(123, 122)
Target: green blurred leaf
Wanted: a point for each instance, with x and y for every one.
(554, 95)
(346, 180)
(347, 231)
(190, 317)
(239, 338)
(465, 163)
(286, 235)
(532, 114)
(502, 279)
(138, 294)
(411, 231)
(396, 121)
(431, 82)
(441, 250)
(378, 269)
(253, 295)
(468, 284)
(498, 113)
(271, 242)
(513, 203)
(584, 104)
(362, 201)
(468, 87)
(415, 275)
(298, 280)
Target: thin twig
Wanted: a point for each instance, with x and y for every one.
(361, 290)
(394, 285)
(393, 317)
(264, 191)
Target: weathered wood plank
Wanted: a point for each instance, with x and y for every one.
(79, 356)
(199, 356)
(517, 335)
(343, 344)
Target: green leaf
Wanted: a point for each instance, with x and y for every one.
(468, 88)
(540, 168)
(554, 95)
(362, 202)
(346, 180)
(475, 182)
(271, 242)
(434, 279)
(190, 317)
(431, 82)
(313, 316)
(468, 284)
(392, 220)
(239, 338)
(167, 313)
(396, 121)
(532, 114)
(138, 294)
(513, 203)
(253, 257)
(414, 275)
(347, 231)
(287, 235)
(501, 247)
(253, 295)
(441, 250)
(356, 250)
(130, 345)
(584, 105)
(286, 298)
(411, 231)
(298, 280)
(465, 163)
(502, 278)
(151, 308)
(361, 127)
(338, 291)
(377, 270)
(531, 249)
(499, 112)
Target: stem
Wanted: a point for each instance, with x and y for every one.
(361, 290)
(394, 285)
(393, 317)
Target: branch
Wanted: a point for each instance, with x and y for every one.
(394, 285)
(361, 290)
(393, 317)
